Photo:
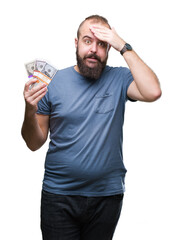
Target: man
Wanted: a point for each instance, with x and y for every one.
(84, 110)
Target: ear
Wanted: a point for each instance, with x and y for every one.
(108, 47)
(76, 42)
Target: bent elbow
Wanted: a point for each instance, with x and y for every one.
(155, 95)
(33, 146)
(33, 149)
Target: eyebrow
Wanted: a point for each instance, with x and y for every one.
(86, 36)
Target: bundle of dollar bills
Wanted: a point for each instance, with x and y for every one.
(40, 70)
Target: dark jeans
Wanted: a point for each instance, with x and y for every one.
(79, 218)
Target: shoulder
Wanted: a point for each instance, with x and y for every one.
(63, 71)
(120, 73)
(117, 70)
(61, 76)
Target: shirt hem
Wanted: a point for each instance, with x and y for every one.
(86, 194)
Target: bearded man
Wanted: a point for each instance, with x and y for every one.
(83, 109)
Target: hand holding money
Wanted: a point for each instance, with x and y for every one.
(40, 70)
(40, 74)
(34, 95)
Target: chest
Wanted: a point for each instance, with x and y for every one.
(79, 100)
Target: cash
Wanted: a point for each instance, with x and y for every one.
(49, 71)
(30, 67)
(40, 70)
(39, 65)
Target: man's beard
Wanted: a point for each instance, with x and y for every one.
(93, 73)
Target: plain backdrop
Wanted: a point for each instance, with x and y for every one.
(153, 203)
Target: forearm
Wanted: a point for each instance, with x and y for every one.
(145, 79)
(147, 87)
(31, 132)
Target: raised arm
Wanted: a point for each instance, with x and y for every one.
(35, 127)
(145, 86)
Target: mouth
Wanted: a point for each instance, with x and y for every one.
(92, 59)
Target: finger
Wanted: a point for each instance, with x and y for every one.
(31, 99)
(38, 87)
(100, 29)
(94, 30)
(30, 93)
(39, 97)
(101, 36)
(38, 93)
(29, 83)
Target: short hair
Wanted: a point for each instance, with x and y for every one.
(95, 18)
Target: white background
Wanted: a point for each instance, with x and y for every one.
(153, 203)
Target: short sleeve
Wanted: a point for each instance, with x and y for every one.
(128, 80)
(44, 105)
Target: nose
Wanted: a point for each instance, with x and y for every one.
(93, 48)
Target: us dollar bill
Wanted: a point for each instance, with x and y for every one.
(39, 65)
(30, 67)
(49, 71)
(45, 68)
(40, 70)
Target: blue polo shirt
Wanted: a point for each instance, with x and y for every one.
(86, 132)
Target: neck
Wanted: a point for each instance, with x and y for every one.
(76, 68)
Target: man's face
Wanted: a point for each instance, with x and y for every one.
(91, 53)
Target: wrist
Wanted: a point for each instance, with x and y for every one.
(125, 48)
(121, 45)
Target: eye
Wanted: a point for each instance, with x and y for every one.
(87, 41)
(102, 44)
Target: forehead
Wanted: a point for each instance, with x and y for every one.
(85, 28)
